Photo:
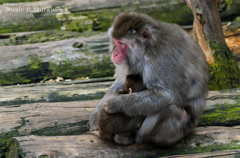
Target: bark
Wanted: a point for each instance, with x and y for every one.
(224, 72)
(207, 25)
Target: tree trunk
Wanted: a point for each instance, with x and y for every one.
(224, 72)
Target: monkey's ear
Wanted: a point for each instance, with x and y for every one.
(146, 34)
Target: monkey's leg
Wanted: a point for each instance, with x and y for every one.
(166, 128)
(125, 130)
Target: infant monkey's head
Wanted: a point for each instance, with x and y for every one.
(134, 83)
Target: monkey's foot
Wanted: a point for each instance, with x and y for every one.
(124, 138)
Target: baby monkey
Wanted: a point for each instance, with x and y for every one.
(133, 83)
(110, 126)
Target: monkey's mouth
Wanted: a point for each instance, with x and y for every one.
(119, 62)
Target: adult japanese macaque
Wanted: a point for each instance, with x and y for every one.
(114, 125)
(174, 71)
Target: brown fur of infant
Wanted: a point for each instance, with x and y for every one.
(119, 123)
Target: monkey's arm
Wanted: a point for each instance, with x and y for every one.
(144, 103)
(93, 125)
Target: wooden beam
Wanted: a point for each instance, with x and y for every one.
(207, 139)
(70, 118)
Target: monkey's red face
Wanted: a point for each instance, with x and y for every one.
(119, 53)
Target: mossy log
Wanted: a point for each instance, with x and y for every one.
(53, 92)
(94, 14)
(70, 59)
(85, 15)
(70, 118)
(203, 140)
(33, 57)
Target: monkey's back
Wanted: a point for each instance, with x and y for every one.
(182, 65)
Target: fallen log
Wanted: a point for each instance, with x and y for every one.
(85, 15)
(70, 118)
(70, 59)
(94, 14)
(207, 139)
(33, 57)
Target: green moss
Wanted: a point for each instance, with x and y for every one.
(232, 10)
(97, 20)
(78, 23)
(34, 62)
(5, 139)
(60, 130)
(12, 150)
(189, 149)
(100, 19)
(53, 35)
(32, 24)
(35, 71)
(81, 67)
(9, 146)
(222, 115)
(176, 13)
(43, 156)
(224, 73)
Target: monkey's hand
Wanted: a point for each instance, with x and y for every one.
(110, 106)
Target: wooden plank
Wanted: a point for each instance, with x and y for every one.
(16, 56)
(51, 92)
(69, 15)
(216, 153)
(61, 118)
(70, 118)
(203, 140)
(31, 118)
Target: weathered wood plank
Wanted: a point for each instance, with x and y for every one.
(52, 92)
(203, 140)
(70, 118)
(93, 14)
(45, 51)
(35, 62)
(31, 61)
(85, 15)
(63, 118)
